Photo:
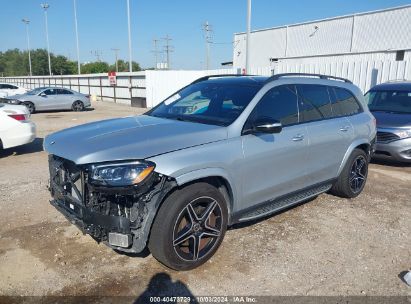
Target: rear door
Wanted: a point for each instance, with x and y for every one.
(274, 164)
(330, 135)
(64, 99)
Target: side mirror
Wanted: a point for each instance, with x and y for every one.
(43, 94)
(267, 125)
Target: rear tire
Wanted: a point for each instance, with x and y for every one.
(30, 106)
(189, 227)
(78, 106)
(353, 177)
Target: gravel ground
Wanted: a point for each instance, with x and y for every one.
(328, 246)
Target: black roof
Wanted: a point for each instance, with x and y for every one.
(393, 86)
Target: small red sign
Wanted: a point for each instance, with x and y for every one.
(112, 78)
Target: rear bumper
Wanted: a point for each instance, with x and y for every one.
(23, 134)
(399, 150)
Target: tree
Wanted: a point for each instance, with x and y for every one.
(95, 67)
(123, 66)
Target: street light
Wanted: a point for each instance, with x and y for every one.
(27, 21)
(45, 6)
(247, 48)
(129, 37)
(78, 47)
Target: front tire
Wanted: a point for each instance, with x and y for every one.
(189, 227)
(30, 106)
(353, 177)
(78, 106)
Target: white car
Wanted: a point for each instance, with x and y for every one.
(7, 89)
(16, 128)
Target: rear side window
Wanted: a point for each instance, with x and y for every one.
(314, 102)
(50, 92)
(63, 92)
(279, 103)
(344, 103)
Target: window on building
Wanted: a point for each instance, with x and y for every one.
(399, 55)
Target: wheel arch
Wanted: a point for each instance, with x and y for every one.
(362, 144)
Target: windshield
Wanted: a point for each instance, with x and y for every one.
(35, 91)
(207, 102)
(389, 101)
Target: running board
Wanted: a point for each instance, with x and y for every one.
(283, 202)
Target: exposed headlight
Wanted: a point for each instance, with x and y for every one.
(13, 101)
(121, 174)
(403, 133)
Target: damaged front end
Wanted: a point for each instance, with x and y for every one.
(120, 215)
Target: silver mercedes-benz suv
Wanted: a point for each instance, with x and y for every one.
(224, 149)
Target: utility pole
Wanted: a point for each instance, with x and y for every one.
(208, 40)
(78, 47)
(97, 53)
(168, 49)
(129, 38)
(247, 51)
(45, 6)
(156, 52)
(116, 54)
(27, 21)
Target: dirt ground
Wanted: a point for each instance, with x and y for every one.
(329, 246)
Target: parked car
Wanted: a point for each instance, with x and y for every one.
(390, 103)
(7, 89)
(52, 98)
(16, 128)
(176, 181)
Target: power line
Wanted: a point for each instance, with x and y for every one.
(155, 51)
(97, 53)
(116, 55)
(168, 49)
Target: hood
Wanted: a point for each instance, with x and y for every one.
(136, 137)
(392, 120)
(17, 96)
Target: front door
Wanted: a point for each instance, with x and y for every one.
(274, 164)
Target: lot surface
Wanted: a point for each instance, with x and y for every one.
(329, 246)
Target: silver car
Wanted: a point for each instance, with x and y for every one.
(175, 179)
(51, 98)
(390, 103)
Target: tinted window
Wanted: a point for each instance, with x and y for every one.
(50, 92)
(7, 86)
(207, 102)
(63, 92)
(345, 103)
(315, 102)
(280, 103)
(390, 101)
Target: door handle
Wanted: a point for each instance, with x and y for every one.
(298, 137)
(344, 129)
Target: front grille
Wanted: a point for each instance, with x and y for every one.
(386, 137)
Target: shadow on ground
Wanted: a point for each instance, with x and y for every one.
(161, 285)
(390, 163)
(33, 147)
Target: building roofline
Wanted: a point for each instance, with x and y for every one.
(328, 19)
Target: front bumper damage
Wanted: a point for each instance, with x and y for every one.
(120, 217)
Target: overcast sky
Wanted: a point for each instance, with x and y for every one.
(103, 25)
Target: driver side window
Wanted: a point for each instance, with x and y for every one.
(50, 92)
(279, 103)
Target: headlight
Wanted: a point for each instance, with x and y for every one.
(121, 174)
(13, 101)
(403, 133)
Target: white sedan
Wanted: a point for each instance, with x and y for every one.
(16, 128)
(7, 89)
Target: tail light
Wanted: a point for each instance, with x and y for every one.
(88, 96)
(19, 117)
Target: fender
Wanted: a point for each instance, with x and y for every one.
(207, 172)
(351, 148)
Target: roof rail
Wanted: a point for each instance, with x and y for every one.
(278, 76)
(219, 75)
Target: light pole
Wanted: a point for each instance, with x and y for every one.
(116, 54)
(129, 37)
(78, 47)
(45, 6)
(27, 21)
(247, 51)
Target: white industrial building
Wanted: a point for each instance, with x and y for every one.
(367, 48)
